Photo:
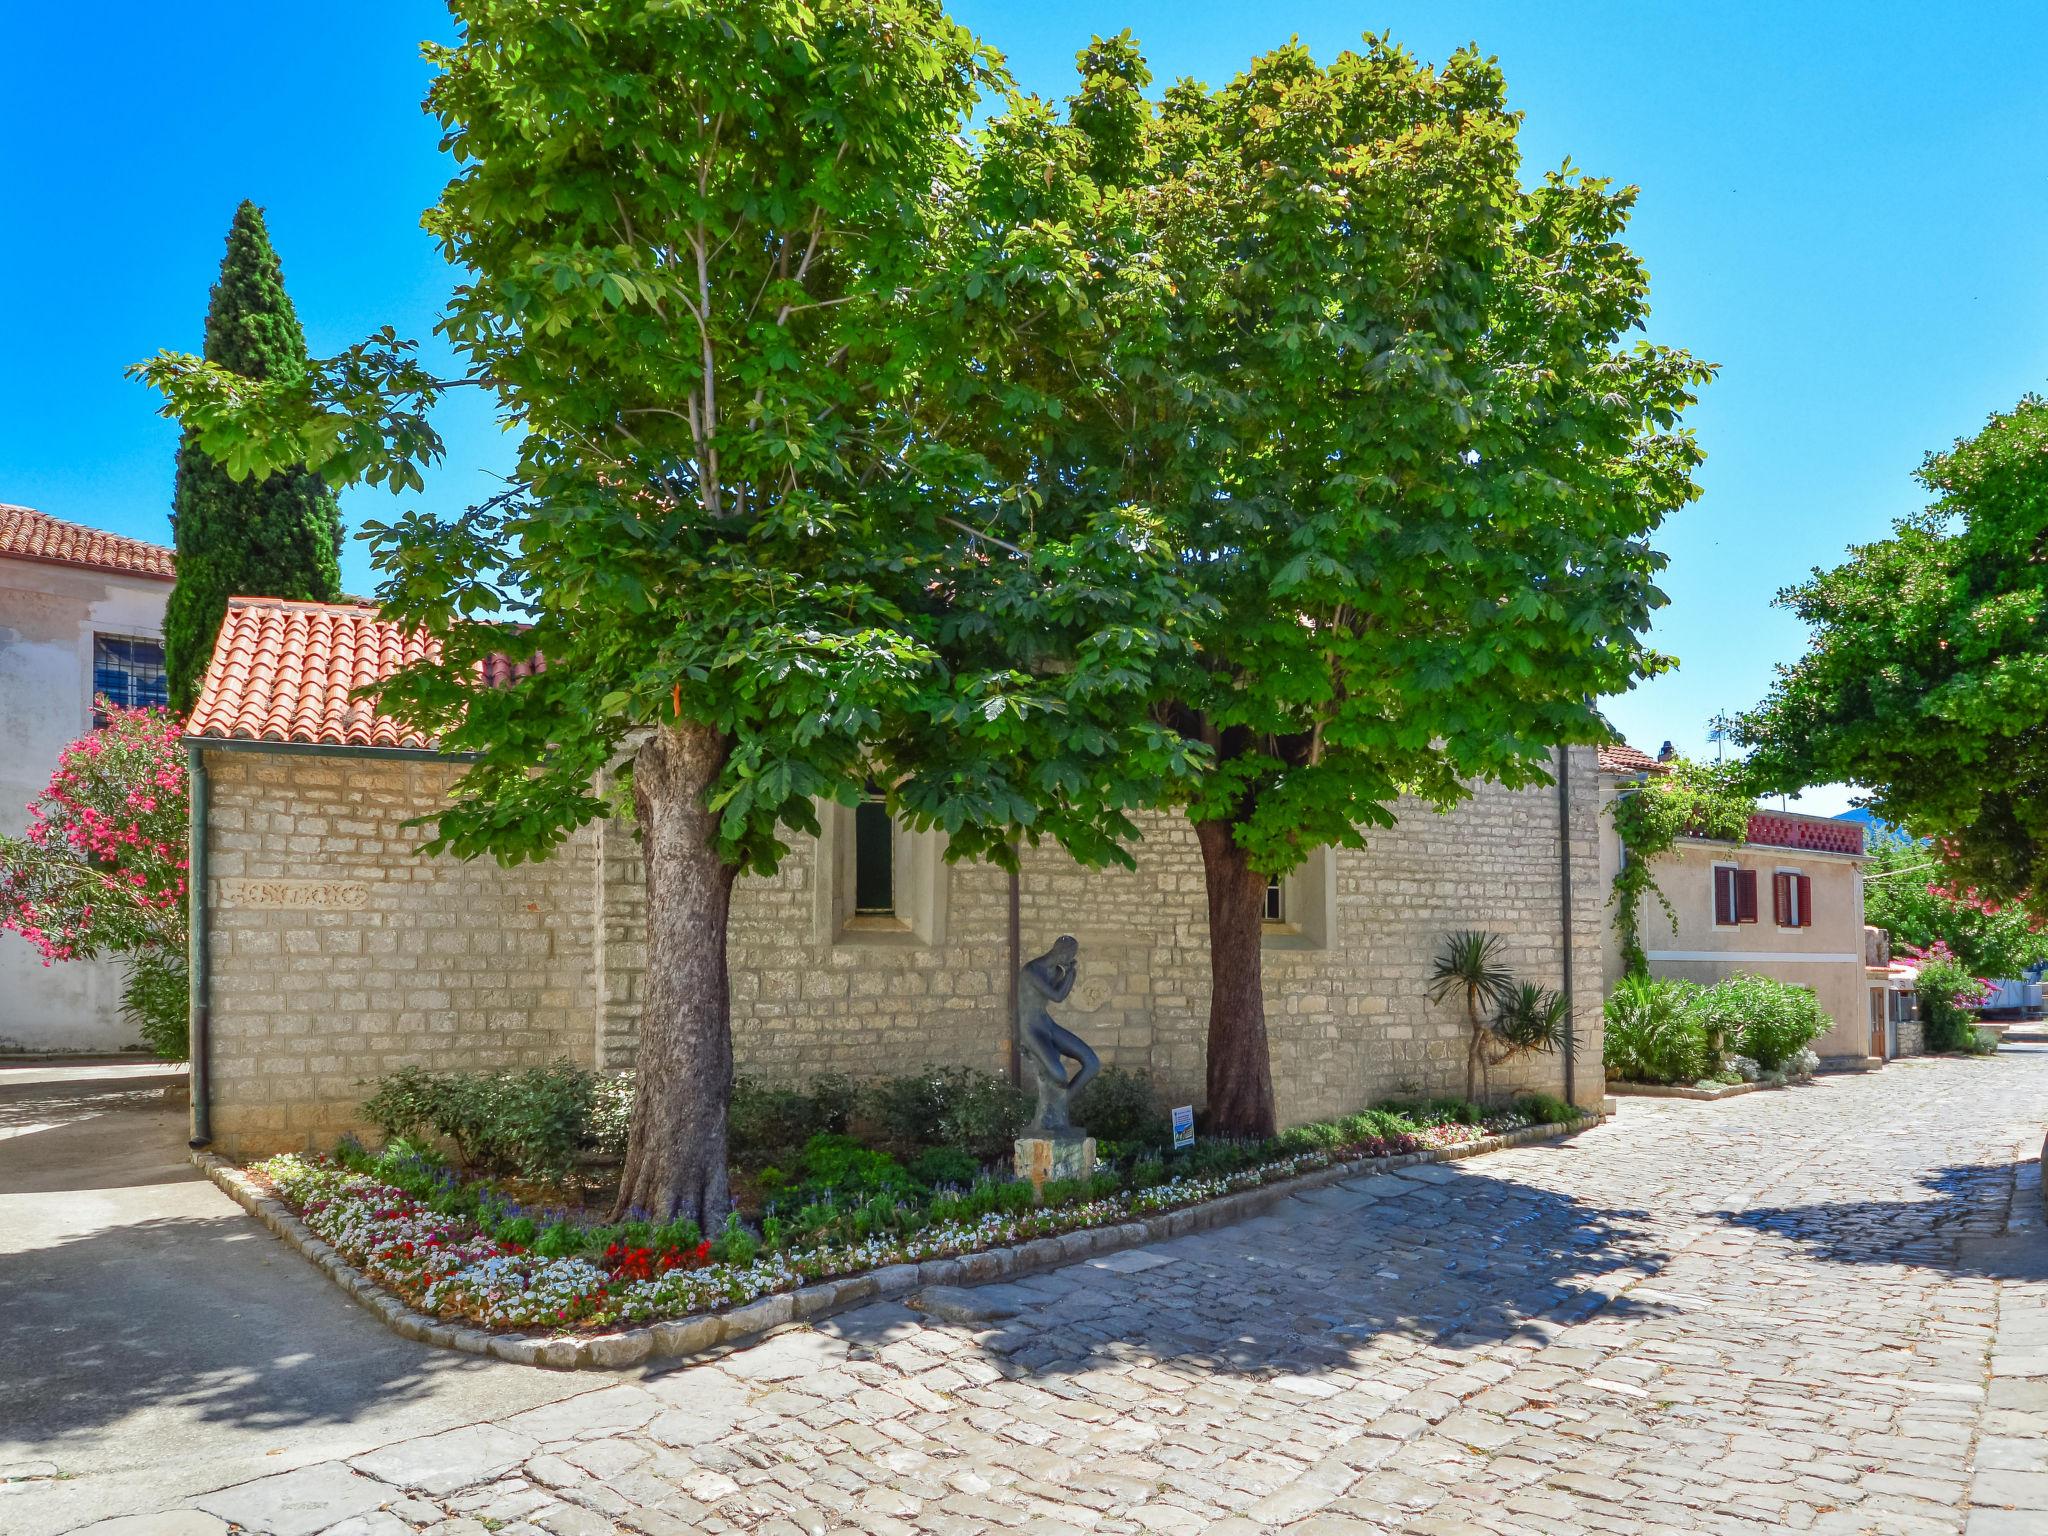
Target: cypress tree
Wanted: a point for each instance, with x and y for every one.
(275, 536)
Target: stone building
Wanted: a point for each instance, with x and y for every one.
(334, 953)
(81, 615)
(1787, 902)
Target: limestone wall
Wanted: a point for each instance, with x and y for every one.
(339, 954)
(1347, 1015)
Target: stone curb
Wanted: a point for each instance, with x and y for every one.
(700, 1334)
(1661, 1091)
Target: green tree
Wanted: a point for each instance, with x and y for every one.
(1374, 399)
(1910, 892)
(700, 247)
(273, 535)
(1924, 676)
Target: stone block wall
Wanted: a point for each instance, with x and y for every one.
(339, 954)
(1348, 1020)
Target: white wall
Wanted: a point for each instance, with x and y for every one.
(48, 616)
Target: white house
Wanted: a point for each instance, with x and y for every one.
(81, 614)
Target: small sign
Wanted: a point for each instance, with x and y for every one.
(292, 895)
(1183, 1127)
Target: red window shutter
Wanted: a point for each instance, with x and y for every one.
(1781, 901)
(1802, 889)
(1724, 895)
(1745, 895)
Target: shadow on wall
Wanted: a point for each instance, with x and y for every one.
(1380, 1269)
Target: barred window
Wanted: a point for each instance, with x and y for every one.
(129, 671)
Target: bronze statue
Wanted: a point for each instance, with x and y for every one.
(1045, 1044)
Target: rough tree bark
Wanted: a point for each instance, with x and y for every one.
(676, 1149)
(1240, 1073)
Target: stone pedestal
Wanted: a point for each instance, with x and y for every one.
(1038, 1158)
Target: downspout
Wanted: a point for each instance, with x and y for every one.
(197, 969)
(1016, 965)
(1564, 905)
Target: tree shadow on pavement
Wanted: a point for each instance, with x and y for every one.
(1960, 1227)
(1383, 1267)
(209, 1317)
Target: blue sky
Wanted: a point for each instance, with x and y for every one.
(1842, 204)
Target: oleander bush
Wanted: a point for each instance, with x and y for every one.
(1771, 1022)
(1949, 995)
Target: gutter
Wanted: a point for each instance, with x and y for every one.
(1564, 874)
(198, 971)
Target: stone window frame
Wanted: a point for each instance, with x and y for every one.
(921, 871)
(1308, 905)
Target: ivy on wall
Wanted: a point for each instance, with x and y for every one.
(1692, 799)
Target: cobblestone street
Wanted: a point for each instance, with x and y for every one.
(1816, 1310)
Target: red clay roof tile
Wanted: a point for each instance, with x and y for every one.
(1622, 758)
(283, 671)
(26, 534)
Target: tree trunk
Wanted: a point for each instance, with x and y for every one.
(676, 1151)
(1240, 1071)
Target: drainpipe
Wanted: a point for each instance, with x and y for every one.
(1016, 965)
(200, 1017)
(1564, 885)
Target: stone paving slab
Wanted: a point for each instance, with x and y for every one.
(1814, 1311)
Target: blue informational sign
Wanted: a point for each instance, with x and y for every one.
(1183, 1127)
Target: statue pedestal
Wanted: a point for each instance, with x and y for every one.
(1070, 1156)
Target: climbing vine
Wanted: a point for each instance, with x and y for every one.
(1699, 799)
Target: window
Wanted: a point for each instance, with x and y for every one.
(1300, 904)
(877, 881)
(129, 671)
(874, 857)
(1792, 899)
(1734, 895)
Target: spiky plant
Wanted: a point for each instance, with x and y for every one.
(1531, 1018)
(1470, 963)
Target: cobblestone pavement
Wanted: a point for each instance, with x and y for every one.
(1804, 1311)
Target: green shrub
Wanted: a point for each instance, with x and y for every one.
(1545, 1109)
(530, 1122)
(1654, 1034)
(1768, 1021)
(155, 1000)
(937, 1166)
(768, 1118)
(1124, 1106)
(842, 1164)
(977, 1112)
(1945, 989)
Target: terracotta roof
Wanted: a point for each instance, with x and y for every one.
(1623, 758)
(26, 534)
(283, 671)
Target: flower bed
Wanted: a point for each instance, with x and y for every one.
(453, 1267)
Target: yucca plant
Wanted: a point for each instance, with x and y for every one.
(1531, 1018)
(1470, 963)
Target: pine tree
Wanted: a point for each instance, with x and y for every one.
(275, 536)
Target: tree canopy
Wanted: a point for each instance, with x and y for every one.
(1911, 893)
(1377, 401)
(704, 252)
(272, 535)
(1926, 676)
